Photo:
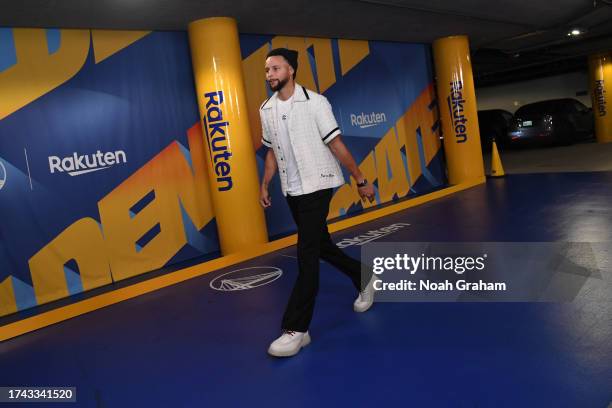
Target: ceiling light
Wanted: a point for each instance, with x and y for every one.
(575, 32)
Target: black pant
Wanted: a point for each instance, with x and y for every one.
(310, 212)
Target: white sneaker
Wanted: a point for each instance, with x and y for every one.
(289, 344)
(366, 296)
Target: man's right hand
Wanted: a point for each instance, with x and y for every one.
(264, 197)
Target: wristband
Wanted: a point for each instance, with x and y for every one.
(363, 183)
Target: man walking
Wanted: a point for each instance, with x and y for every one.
(304, 145)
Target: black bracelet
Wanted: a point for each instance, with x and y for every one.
(363, 183)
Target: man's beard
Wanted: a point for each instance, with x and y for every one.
(279, 85)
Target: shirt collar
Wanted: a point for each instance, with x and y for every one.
(300, 94)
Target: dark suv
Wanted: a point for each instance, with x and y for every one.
(557, 121)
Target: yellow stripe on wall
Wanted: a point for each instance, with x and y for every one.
(8, 304)
(109, 42)
(351, 53)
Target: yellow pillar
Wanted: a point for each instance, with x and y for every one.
(230, 157)
(600, 69)
(458, 112)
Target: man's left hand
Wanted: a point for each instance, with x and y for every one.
(367, 191)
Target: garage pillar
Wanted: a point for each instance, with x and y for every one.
(458, 112)
(600, 78)
(230, 156)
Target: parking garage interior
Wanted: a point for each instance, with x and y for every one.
(135, 270)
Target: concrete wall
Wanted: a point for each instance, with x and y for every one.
(511, 96)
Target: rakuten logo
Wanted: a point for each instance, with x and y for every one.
(76, 164)
(456, 111)
(600, 97)
(366, 120)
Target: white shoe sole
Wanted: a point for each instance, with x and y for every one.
(291, 353)
(361, 309)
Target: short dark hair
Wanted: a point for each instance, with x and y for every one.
(291, 56)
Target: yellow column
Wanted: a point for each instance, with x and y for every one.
(230, 157)
(600, 69)
(458, 112)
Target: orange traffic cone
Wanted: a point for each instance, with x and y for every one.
(497, 170)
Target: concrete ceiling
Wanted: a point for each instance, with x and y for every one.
(510, 39)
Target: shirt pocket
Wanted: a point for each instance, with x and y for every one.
(327, 174)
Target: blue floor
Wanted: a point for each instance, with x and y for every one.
(191, 346)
